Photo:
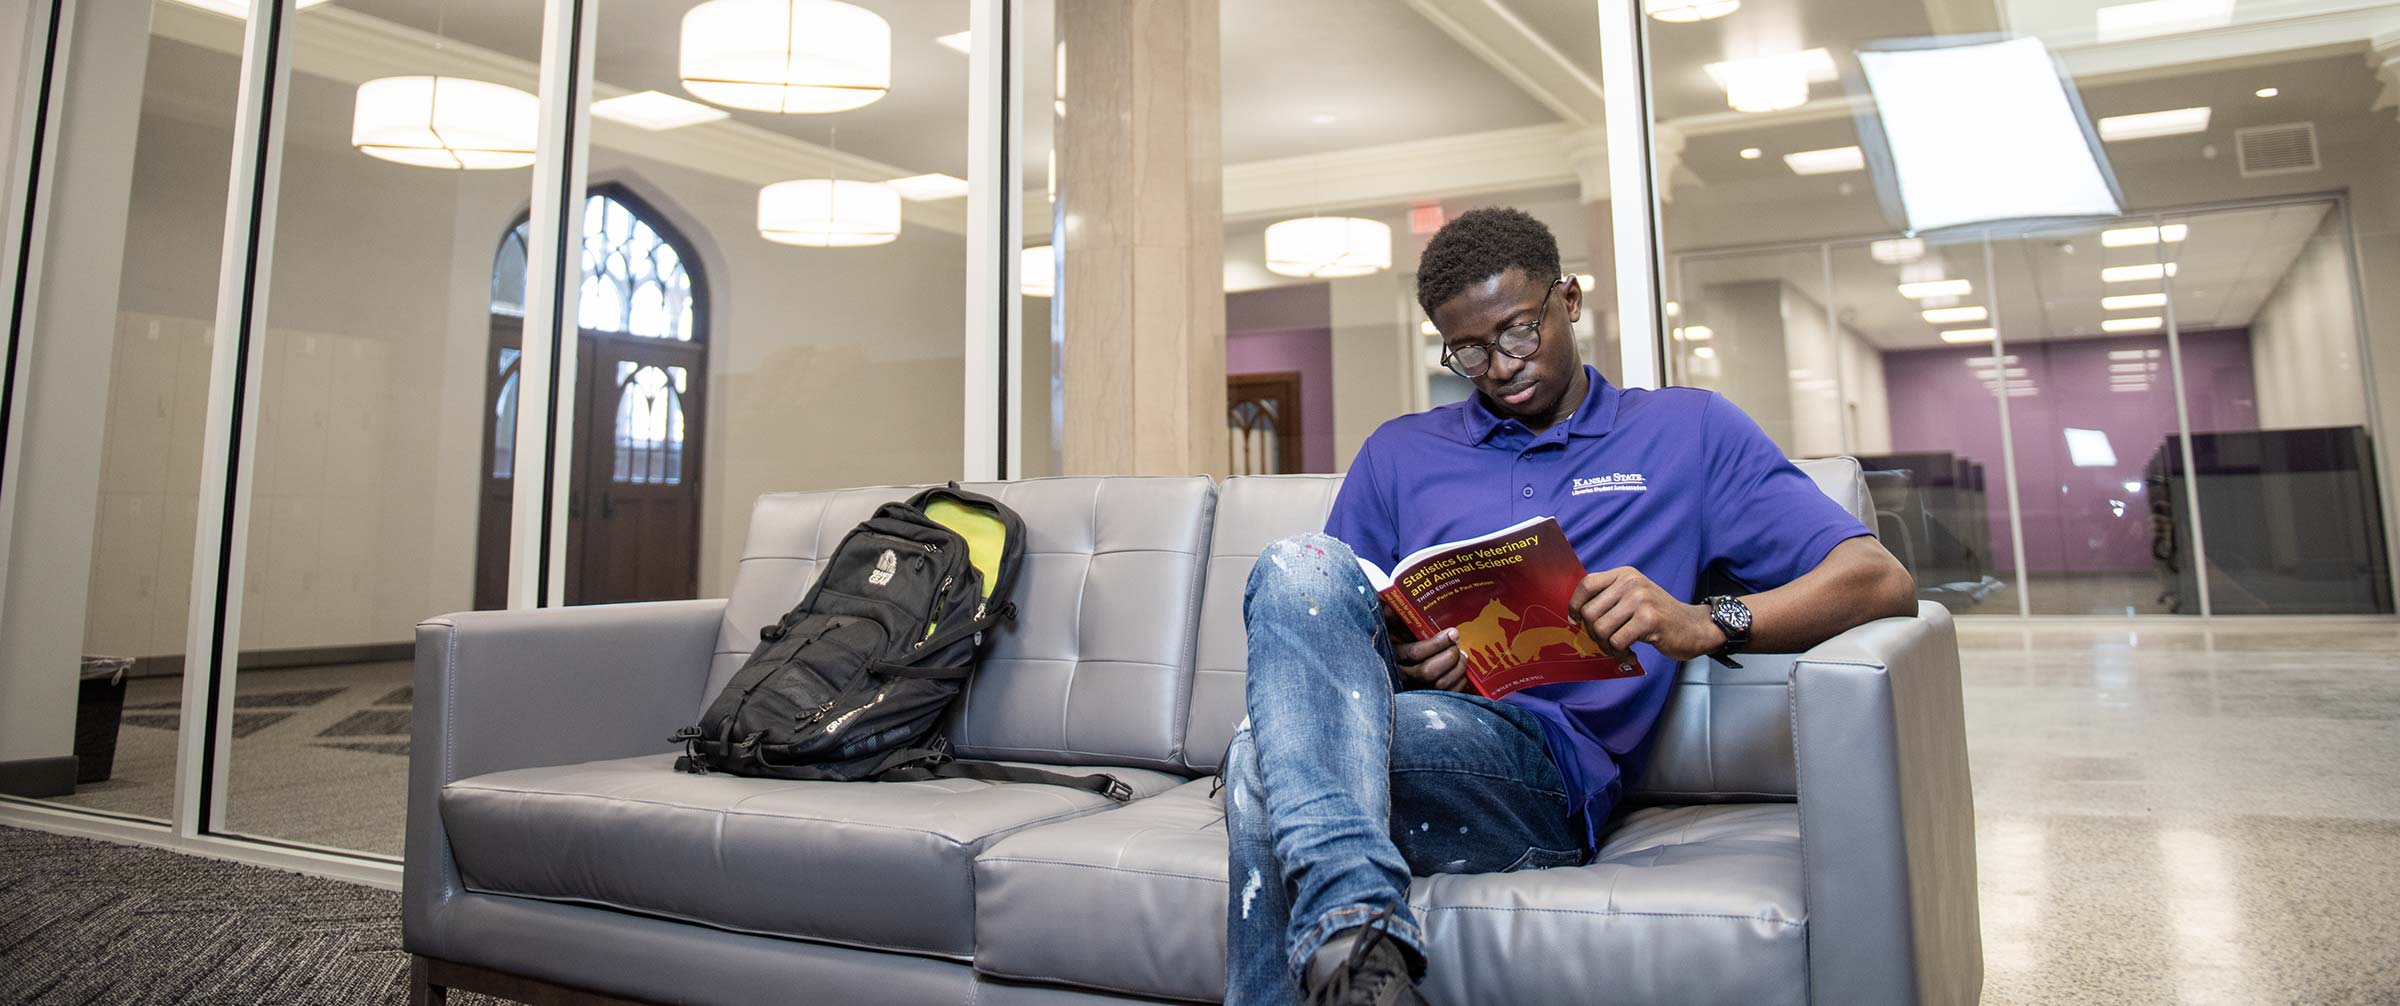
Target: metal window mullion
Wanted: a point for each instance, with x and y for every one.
(33, 161)
(995, 230)
(540, 489)
(1633, 190)
(2008, 436)
(2183, 426)
(229, 438)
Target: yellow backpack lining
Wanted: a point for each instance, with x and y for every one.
(986, 539)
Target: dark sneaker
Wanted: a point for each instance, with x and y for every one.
(1372, 970)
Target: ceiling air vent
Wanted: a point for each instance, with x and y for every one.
(2282, 149)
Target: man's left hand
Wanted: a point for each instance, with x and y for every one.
(1621, 607)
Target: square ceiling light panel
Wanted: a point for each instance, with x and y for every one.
(238, 8)
(927, 188)
(1980, 136)
(1831, 160)
(655, 110)
(2164, 122)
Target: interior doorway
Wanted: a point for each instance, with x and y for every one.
(1262, 423)
(633, 511)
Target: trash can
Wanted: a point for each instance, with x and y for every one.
(99, 709)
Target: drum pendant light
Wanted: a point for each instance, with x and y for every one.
(445, 122)
(786, 56)
(828, 213)
(1328, 247)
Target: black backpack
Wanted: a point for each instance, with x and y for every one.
(851, 684)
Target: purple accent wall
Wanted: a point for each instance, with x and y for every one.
(1308, 351)
(2073, 520)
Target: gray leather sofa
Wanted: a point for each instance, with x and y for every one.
(1804, 832)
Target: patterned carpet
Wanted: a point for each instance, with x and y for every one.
(89, 922)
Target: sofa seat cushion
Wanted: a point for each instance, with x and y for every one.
(1683, 904)
(888, 866)
(1132, 901)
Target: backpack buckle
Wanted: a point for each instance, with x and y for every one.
(1117, 790)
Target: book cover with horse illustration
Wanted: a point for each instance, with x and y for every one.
(1506, 593)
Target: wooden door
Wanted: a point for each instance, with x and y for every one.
(1262, 423)
(497, 473)
(635, 513)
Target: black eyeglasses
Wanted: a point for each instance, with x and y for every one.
(1472, 359)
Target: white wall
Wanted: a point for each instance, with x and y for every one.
(2304, 341)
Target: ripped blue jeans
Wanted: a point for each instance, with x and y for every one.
(1340, 786)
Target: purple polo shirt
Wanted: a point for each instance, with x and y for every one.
(1672, 482)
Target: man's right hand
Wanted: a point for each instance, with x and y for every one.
(1434, 663)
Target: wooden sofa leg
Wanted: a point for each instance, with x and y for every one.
(421, 989)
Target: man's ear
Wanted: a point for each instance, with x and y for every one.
(1574, 297)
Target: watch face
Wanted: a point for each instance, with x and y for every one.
(1735, 615)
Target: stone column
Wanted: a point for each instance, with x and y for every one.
(1139, 181)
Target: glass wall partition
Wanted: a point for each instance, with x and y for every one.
(773, 283)
(2070, 250)
(101, 566)
(374, 415)
(1376, 124)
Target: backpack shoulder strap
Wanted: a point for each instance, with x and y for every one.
(922, 764)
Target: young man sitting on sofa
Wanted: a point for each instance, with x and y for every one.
(1368, 758)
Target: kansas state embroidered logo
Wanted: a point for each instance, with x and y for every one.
(885, 566)
(1621, 482)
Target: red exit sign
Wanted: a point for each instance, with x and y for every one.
(1425, 218)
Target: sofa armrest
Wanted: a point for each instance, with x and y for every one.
(500, 690)
(1887, 818)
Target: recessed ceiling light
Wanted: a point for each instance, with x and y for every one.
(2142, 324)
(655, 110)
(1830, 160)
(1586, 281)
(1946, 315)
(2128, 301)
(1699, 333)
(1752, 153)
(1705, 352)
(1936, 288)
(1674, 309)
(959, 41)
(2267, 92)
(1771, 83)
(1962, 335)
(1688, 11)
(1426, 328)
(925, 188)
(2123, 237)
(2143, 125)
(1324, 118)
(238, 8)
(1897, 250)
(2133, 273)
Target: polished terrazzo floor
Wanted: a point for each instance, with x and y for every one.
(2187, 814)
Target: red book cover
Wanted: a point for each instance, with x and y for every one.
(1506, 593)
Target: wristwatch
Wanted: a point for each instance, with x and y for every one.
(1733, 619)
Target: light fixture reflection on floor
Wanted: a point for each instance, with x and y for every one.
(1328, 247)
(445, 122)
(828, 213)
(787, 56)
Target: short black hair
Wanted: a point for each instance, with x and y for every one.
(1480, 244)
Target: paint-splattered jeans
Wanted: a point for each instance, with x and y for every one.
(1340, 787)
